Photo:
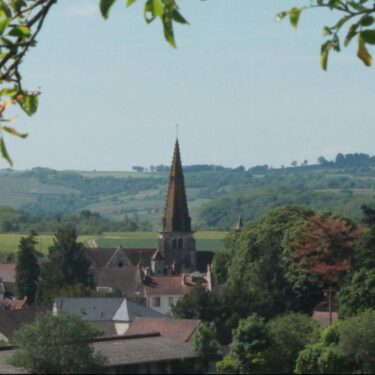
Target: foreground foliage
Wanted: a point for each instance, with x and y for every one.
(273, 347)
(57, 345)
(347, 347)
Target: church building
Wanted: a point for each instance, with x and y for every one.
(160, 276)
(176, 243)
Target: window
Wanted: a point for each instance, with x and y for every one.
(174, 244)
(156, 302)
(180, 243)
(170, 301)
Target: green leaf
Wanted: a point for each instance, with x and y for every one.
(351, 34)
(367, 21)
(130, 2)
(158, 8)
(168, 31)
(280, 16)
(363, 53)
(149, 11)
(327, 31)
(176, 15)
(20, 31)
(368, 36)
(4, 22)
(9, 91)
(4, 152)
(29, 103)
(294, 15)
(105, 7)
(13, 131)
(324, 53)
(5, 8)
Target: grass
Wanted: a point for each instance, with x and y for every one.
(206, 240)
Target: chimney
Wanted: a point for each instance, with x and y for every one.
(209, 278)
(183, 279)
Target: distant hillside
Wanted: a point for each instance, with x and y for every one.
(217, 195)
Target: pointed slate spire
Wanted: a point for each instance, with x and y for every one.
(239, 225)
(176, 215)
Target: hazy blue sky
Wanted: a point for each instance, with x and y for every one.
(243, 88)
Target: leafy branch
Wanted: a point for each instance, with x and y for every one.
(20, 24)
(357, 21)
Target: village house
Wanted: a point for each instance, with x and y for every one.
(112, 316)
(181, 330)
(13, 320)
(7, 280)
(140, 354)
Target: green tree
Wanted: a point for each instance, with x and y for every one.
(197, 304)
(365, 252)
(250, 340)
(66, 264)
(261, 262)
(347, 347)
(289, 334)
(27, 268)
(57, 345)
(357, 294)
(220, 266)
(205, 343)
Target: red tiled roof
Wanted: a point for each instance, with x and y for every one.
(322, 317)
(179, 330)
(168, 285)
(13, 304)
(12, 320)
(8, 272)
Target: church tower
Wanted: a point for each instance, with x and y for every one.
(176, 241)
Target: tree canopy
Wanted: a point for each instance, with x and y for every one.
(57, 345)
(27, 268)
(66, 265)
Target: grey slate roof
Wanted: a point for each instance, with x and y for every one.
(143, 350)
(6, 368)
(125, 279)
(104, 309)
(125, 351)
(111, 257)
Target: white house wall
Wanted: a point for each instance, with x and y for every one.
(164, 307)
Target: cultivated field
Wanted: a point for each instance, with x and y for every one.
(209, 240)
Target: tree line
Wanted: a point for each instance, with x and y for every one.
(270, 278)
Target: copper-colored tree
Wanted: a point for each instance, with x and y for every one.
(325, 247)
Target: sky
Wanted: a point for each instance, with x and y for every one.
(243, 89)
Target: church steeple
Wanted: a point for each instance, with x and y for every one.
(176, 241)
(176, 215)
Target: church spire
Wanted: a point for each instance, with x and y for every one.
(176, 215)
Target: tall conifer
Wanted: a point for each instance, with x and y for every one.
(27, 268)
(66, 264)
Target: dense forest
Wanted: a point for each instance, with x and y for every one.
(217, 195)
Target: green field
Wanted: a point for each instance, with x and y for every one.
(209, 240)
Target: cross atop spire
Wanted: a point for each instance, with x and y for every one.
(176, 215)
